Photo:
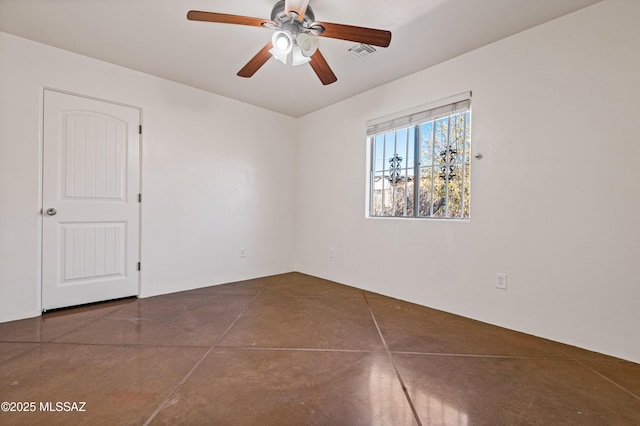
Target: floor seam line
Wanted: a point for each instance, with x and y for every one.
(22, 353)
(606, 378)
(123, 345)
(462, 355)
(249, 348)
(197, 364)
(87, 323)
(393, 363)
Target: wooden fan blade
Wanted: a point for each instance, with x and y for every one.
(298, 6)
(223, 18)
(364, 35)
(322, 69)
(256, 62)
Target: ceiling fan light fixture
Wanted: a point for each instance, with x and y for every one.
(307, 43)
(282, 57)
(282, 41)
(295, 40)
(298, 57)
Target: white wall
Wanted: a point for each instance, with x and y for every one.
(555, 200)
(212, 176)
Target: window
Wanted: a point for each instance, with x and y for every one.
(419, 164)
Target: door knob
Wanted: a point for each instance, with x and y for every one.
(51, 211)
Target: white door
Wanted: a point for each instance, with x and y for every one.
(91, 181)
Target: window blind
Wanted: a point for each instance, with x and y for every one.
(447, 107)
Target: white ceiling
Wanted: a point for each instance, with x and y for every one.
(154, 36)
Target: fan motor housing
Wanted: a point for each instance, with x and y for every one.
(279, 15)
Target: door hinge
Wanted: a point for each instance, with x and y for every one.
(139, 198)
(140, 129)
(139, 266)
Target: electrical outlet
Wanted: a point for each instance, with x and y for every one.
(331, 253)
(501, 280)
(242, 253)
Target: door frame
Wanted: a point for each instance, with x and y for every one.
(44, 89)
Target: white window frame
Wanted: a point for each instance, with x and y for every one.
(410, 121)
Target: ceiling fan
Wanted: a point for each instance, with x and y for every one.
(295, 40)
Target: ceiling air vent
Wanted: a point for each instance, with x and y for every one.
(362, 50)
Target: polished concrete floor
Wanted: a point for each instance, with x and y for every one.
(296, 350)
